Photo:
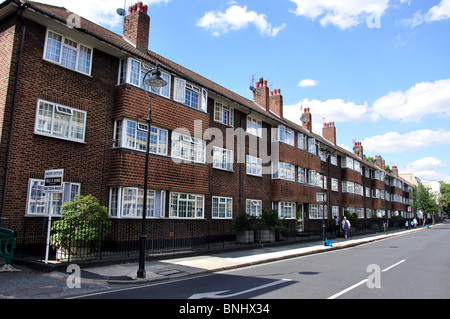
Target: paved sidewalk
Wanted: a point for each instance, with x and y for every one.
(180, 267)
(17, 282)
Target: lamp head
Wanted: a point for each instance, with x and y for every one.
(155, 79)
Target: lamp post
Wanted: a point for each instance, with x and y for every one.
(325, 153)
(155, 80)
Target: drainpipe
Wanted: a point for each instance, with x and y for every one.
(13, 111)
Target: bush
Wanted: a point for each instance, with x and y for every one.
(245, 221)
(83, 222)
(270, 220)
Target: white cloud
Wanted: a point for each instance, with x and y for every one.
(394, 142)
(427, 163)
(432, 176)
(410, 106)
(307, 82)
(426, 169)
(237, 18)
(344, 14)
(439, 12)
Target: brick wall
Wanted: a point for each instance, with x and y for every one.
(32, 154)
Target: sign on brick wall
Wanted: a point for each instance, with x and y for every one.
(53, 181)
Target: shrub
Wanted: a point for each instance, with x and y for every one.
(83, 222)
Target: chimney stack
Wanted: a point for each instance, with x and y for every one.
(395, 170)
(261, 94)
(358, 150)
(136, 26)
(329, 132)
(379, 161)
(307, 120)
(276, 103)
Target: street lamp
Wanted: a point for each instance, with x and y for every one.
(325, 154)
(156, 81)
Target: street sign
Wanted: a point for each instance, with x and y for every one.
(53, 181)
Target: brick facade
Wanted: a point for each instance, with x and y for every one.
(99, 164)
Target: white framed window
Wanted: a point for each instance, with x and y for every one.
(190, 95)
(333, 159)
(254, 126)
(334, 184)
(222, 158)
(60, 121)
(316, 211)
(283, 134)
(223, 114)
(283, 171)
(335, 211)
(132, 71)
(133, 135)
(222, 207)
(253, 207)
(312, 146)
(184, 205)
(285, 209)
(42, 204)
(314, 178)
(254, 166)
(358, 189)
(302, 141)
(187, 148)
(302, 175)
(128, 202)
(368, 192)
(67, 53)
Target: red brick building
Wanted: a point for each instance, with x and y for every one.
(72, 97)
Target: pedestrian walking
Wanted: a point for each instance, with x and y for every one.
(336, 224)
(406, 225)
(346, 227)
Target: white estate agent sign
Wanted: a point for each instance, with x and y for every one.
(53, 181)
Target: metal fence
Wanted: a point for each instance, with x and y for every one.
(120, 239)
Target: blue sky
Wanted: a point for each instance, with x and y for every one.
(379, 69)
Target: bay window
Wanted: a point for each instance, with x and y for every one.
(133, 135)
(187, 148)
(132, 71)
(283, 134)
(283, 171)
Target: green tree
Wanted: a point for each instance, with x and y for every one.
(424, 201)
(82, 220)
(445, 190)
